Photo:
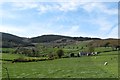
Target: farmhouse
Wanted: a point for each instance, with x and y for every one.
(87, 53)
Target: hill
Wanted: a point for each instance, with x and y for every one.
(52, 38)
(10, 40)
(48, 38)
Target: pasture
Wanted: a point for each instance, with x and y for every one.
(78, 67)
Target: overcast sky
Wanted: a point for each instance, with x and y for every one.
(87, 19)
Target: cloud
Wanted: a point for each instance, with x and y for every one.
(106, 29)
(113, 33)
(72, 31)
(6, 28)
(43, 7)
(24, 5)
(7, 14)
(69, 6)
(102, 23)
(59, 1)
(31, 30)
(100, 7)
(65, 6)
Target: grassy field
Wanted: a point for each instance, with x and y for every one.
(10, 56)
(80, 67)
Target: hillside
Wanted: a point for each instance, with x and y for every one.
(52, 38)
(10, 40)
(48, 38)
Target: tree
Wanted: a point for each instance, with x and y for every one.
(60, 53)
(106, 44)
(77, 47)
(81, 48)
(90, 48)
(40, 48)
(50, 55)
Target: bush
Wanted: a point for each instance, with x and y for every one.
(65, 56)
(29, 60)
(50, 55)
(28, 52)
(91, 48)
(60, 53)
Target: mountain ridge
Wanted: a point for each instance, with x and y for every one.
(49, 36)
(11, 40)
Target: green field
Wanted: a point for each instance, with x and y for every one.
(78, 67)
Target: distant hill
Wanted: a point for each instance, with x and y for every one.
(51, 38)
(48, 38)
(10, 40)
(9, 37)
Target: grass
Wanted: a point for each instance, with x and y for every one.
(11, 56)
(73, 47)
(103, 49)
(81, 67)
(8, 49)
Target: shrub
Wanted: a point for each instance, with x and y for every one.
(60, 53)
(50, 55)
(29, 60)
(91, 48)
(27, 51)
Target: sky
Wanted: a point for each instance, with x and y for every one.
(86, 19)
